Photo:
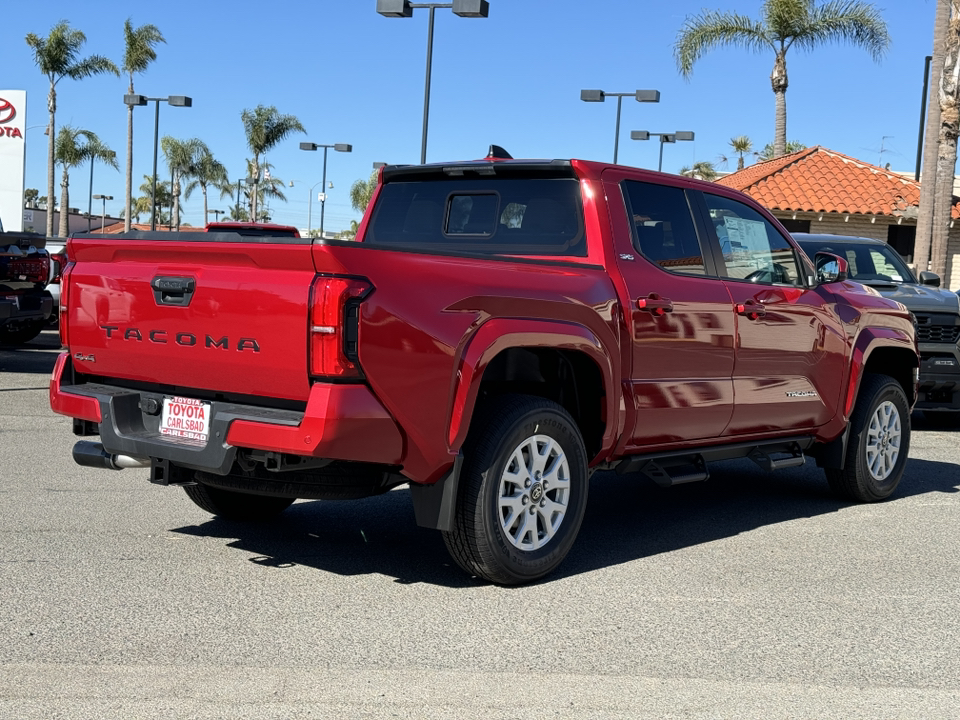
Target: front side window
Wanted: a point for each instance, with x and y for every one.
(663, 229)
(752, 248)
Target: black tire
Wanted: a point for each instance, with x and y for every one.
(23, 334)
(235, 505)
(484, 541)
(876, 454)
(942, 418)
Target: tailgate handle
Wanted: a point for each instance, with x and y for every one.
(173, 290)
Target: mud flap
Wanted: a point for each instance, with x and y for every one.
(434, 505)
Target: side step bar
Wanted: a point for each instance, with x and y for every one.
(678, 467)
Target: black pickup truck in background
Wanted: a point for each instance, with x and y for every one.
(936, 311)
(25, 304)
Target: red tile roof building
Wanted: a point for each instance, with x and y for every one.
(821, 191)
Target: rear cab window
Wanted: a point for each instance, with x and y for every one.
(476, 213)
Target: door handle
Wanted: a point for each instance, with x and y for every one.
(751, 309)
(655, 304)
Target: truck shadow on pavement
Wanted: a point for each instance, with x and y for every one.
(628, 518)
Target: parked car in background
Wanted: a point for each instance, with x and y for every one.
(937, 311)
(25, 304)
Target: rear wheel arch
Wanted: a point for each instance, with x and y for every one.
(562, 362)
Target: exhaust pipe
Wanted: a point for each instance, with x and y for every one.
(91, 454)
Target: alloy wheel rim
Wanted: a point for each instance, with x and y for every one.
(884, 436)
(534, 493)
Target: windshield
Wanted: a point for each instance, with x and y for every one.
(869, 264)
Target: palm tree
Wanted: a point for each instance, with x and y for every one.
(703, 170)
(362, 191)
(791, 147)
(265, 128)
(138, 53)
(949, 96)
(207, 172)
(269, 187)
(56, 56)
(69, 152)
(931, 143)
(784, 23)
(180, 156)
(741, 146)
(143, 205)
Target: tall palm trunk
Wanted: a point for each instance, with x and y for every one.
(205, 211)
(254, 189)
(128, 200)
(51, 163)
(778, 80)
(175, 219)
(949, 97)
(65, 203)
(931, 143)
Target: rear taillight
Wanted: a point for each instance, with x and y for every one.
(64, 297)
(335, 326)
(59, 261)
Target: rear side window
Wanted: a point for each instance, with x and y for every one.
(509, 216)
(663, 228)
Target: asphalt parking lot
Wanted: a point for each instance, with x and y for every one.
(749, 596)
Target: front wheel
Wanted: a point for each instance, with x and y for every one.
(878, 444)
(523, 491)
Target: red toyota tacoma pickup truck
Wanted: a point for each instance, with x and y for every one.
(499, 330)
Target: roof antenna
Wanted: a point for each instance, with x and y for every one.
(496, 151)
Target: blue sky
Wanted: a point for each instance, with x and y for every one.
(514, 79)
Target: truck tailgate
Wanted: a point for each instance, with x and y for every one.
(227, 317)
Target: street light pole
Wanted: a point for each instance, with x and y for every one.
(175, 101)
(682, 135)
(339, 147)
(103, 212)
(602, 95)
(404, 9)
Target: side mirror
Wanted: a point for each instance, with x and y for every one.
(929, 278)
(831, 268)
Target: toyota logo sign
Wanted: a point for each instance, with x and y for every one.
(7, 111)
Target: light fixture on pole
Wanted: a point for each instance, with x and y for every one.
(217, 214)
(664, 138)
(175, 101)
(404, 9)
(103, 212)
(339, 147)
(652, 96)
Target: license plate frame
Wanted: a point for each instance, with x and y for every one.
(185, 419)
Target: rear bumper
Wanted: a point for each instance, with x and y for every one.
(341, 422)
(25, 308)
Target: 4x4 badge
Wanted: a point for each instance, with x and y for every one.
(82, 357)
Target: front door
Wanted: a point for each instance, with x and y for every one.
(680, 316)
(790, 358)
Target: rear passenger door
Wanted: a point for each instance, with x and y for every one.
(790, 357)
(679, 315)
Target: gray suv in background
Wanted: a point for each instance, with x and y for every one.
(875, 264)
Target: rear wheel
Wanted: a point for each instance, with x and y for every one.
(523, 491)
(878, 444)
(235, 505)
